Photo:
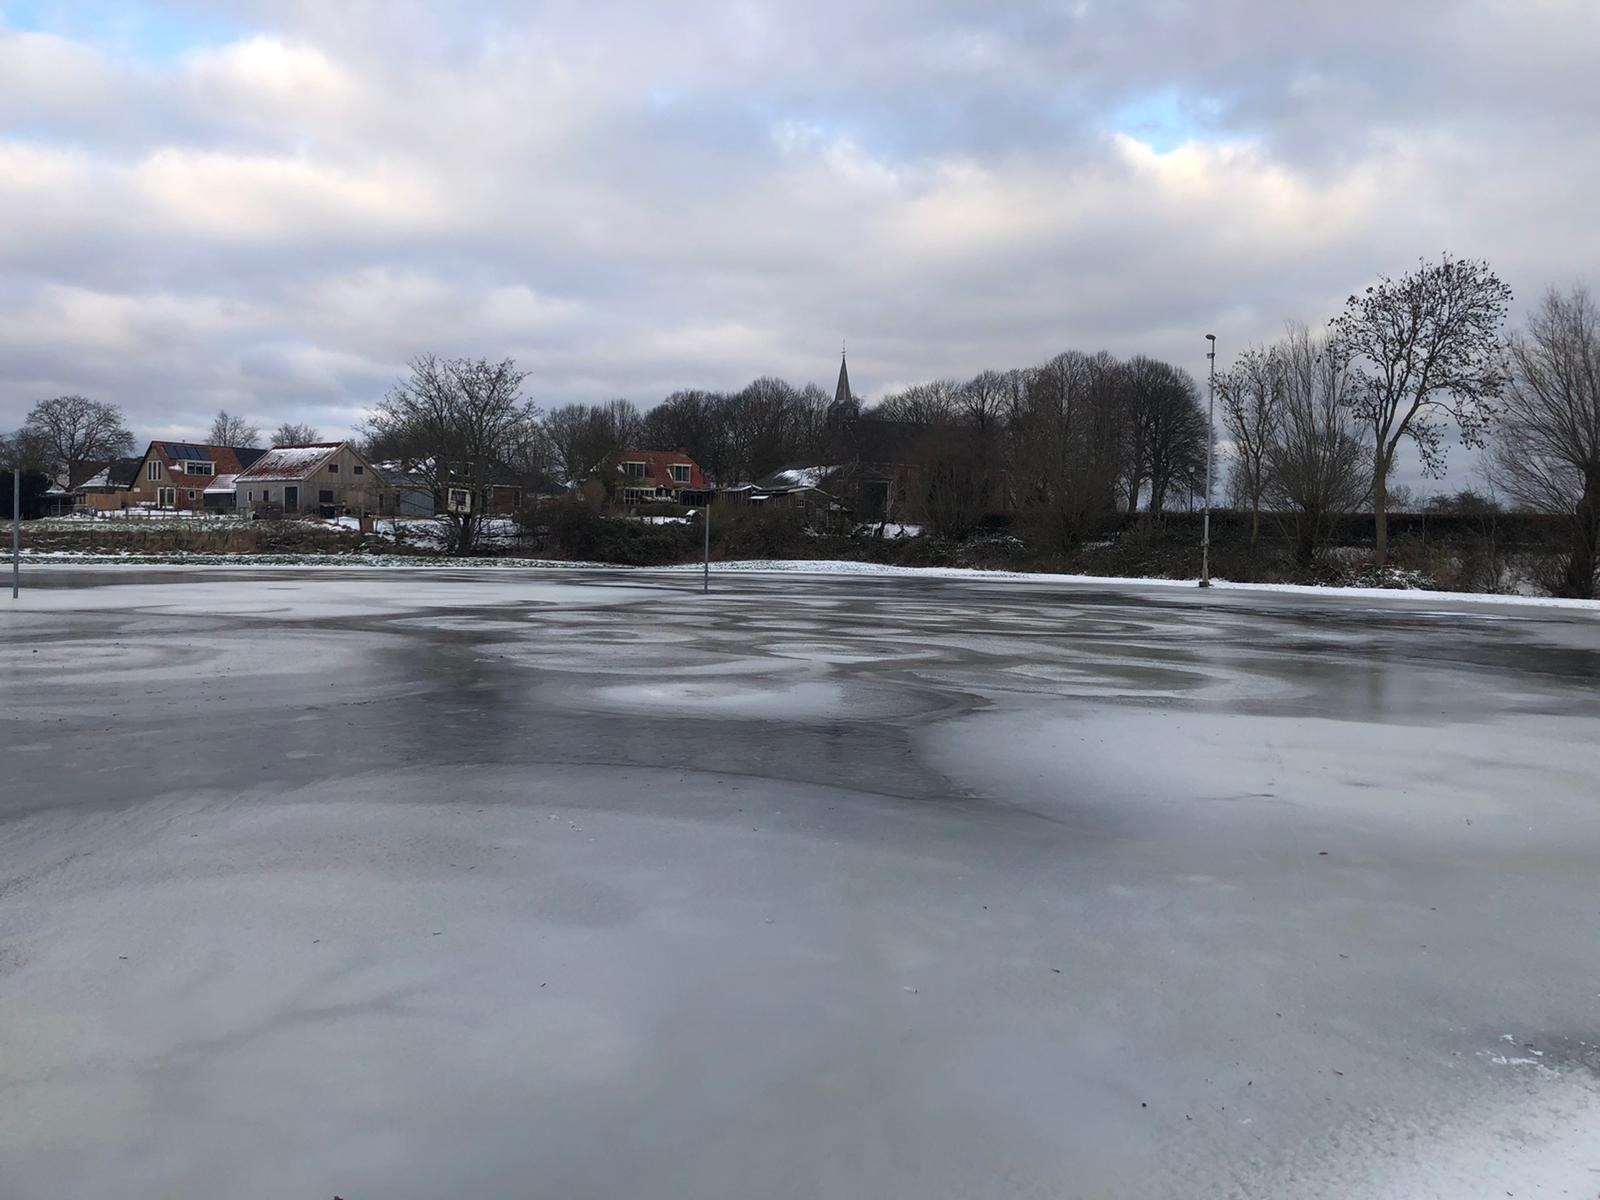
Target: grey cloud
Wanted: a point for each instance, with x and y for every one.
(632, 198)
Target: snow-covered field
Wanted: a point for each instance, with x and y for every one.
(580, 883)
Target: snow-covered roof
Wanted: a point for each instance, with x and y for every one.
(802, 476)
(799, 475)
(289, 462)
(98, 479)
(220, 485)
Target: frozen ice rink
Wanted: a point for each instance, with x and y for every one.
(407, 885)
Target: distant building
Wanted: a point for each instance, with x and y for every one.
(325, 478)
(634, 477)
(175, 475)
(110, 488)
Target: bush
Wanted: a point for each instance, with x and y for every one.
(580, 532)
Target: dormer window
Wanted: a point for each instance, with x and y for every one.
(680, 473)
(195, 466)
(633, 470)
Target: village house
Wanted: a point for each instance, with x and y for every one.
(633, 477)
(327, 479)
(458, 487)
(110, 488)
(175, 475)
(798, 485)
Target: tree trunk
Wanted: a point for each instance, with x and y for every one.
(1305, 548)
(1380, 512)
(1579, 581)
(1255, 520)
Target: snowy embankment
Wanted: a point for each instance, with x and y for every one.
(844, 567)
(814, 567)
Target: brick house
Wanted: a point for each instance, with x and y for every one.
(175, 475)
(633, 477)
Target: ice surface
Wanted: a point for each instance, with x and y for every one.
(425, 883)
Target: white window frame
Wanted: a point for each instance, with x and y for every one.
(629, 472)
(197, 466)
(152, 471)
(464, 504)
(686, 468)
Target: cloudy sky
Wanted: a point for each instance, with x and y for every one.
(269, 206)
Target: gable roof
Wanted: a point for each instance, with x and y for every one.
(657, 472)
(292, 463)
(225, 460)
(119, 474)
(798, 475)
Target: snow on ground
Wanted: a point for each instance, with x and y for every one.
(830, 567)
(507, 883)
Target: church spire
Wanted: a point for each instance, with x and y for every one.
(841, 393)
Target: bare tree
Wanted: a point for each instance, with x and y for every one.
(1166, 432)
(621, 420)
(1428, 352)
(229, 430)
(74, 435)
(567, 429)
(1066, 426)
(1317, 459)
(982, 401)
(453, 422)
(921, 403)
(1546, 452)
(1251, 392)
(290, 434)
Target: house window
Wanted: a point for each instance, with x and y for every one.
(249, 495)
(333, 468)
(191, 495)
(460, 500)
(680, 473)
(192, 466)
(633, 470)
(325, 497)
(357, 470)
(152, 470)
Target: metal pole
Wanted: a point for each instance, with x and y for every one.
(16, 529)
(705, 511)
(1211, 441)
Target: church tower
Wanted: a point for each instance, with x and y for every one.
(841, 393)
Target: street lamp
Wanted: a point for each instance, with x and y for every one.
(1211, 440)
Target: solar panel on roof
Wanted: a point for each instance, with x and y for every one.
(182, 452)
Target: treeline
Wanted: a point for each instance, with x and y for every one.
(1067, 441)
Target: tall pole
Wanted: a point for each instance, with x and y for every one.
(16, 529)
(1211, 441)
(705, 511)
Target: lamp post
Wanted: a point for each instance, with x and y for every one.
(16, 525)
(1211, 440)
(705, 515)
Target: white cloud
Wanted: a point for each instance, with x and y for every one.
(634, 198)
